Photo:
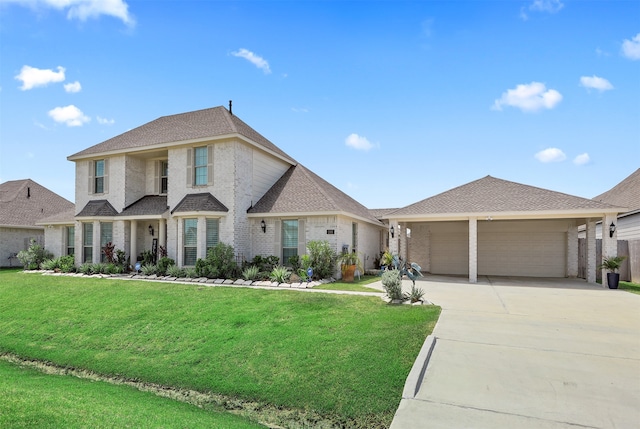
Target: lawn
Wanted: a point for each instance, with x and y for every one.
(358, 285)
(31, 399)
(631, 287)
(336, 357)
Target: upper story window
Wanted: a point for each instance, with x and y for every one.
(98, 176)
(164, 177)
(200, 166)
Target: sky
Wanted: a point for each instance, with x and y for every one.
(390, 101)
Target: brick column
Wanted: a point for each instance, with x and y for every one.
(591, 251)
(572, 250)
(609, 244)
(473, 250)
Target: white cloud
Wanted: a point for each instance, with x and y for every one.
(254, 59)
(105, 121)
(73, 87)
(631, 48)
(300, 109)
(551, 154)
(581, 159)
(595, 82)
(69, 115)
(32, 77)
(83, 9)
(358, 142)
(549, 6)
(529, 98)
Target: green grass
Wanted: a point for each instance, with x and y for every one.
(631, 287)
(341, 356)
(355, 286)
(31, 399)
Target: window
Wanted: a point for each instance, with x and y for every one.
(190, 242)
(200, 165)
(70, 237)
(106, 236)
(98, 186)
(87, 242)
(289, 240)
(212, 233)
(164, 177)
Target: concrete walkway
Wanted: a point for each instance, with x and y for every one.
(526, 353)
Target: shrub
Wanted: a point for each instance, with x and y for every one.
(163, 264)
(416, 294)
(280, 274)
(191, 273)
(265, 263)
(250, 273)
(220, 262)
(392, 284)
(67, 263)
(33, 256)
(322, 258)
(49, 264)
(148, 269)
(203, 269)
(175, 271)
(86, 268)
(294, 262)
(112, 268)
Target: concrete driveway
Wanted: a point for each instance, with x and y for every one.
(526, 353)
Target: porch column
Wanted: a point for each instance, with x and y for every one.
(591, 251)
(473, 250)
(609, 244)
(402, 241)
(162, 233)
(393, 241)
(133, 249)
(572, 250)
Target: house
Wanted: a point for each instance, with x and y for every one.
(22, 204)
(626, 194)
(182, 183)
(496, 227)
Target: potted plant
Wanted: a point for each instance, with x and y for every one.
(349, 262)
(612, 264)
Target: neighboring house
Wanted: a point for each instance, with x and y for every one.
(186, 182)
(626, 194)
(495, 227)
(22, 204)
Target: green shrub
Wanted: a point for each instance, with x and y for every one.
(294, 262)
(322, 258)
(265, 263)
(67, 264)
(392, 284)
(148, 269)
(33, 256)
(163, 264)
(219, 263)
(250, 273)
(112, 268)
(280, 274)
(86, 268)
(49, 264)
(147, 258)
(416, 294)
(175, 271)
(191, 273)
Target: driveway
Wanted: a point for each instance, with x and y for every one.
(526, 353)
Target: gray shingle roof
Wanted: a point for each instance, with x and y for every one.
(199, 124)
(65, 217)
(203, 202)
(490, 194)
(380, 213)
(625, 193)
(147, 205)
(24, 202)
(300, 190)
(98, 208)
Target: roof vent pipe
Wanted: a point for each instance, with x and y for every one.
(230, 110)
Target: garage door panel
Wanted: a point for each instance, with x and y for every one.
(538, 254)
(449, 253)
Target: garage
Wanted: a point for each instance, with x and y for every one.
(496, 227)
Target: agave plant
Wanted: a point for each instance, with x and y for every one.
(279, 274)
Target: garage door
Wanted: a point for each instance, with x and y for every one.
(536, 254)
(449, 253)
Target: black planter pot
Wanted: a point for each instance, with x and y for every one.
(612, 280)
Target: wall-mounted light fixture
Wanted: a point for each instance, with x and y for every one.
(150, 230)
(263, 225)
(391, 231)
(612, 229)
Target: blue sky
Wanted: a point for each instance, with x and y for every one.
(390, 101)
